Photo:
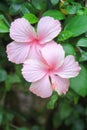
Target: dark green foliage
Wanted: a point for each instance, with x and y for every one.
(21, 110)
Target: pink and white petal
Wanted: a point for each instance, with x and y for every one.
(17, 52)
(34, 52)
(47, 29)
(22, 31)
(33, 70)
(60, 85)
(42, 87)
(53, 53)
(70, 68)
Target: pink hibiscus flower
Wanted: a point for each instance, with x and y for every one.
(52, 72)
(27, 42)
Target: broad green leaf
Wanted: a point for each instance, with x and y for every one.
(1, 115)
(3, 27)
(55, 14)
(79, 83)
(64, 35)
(22, 128)
(72, 96)
(69, 49)
(18, 70)
(77, 25)
(80, 12)
(8, 116)
(1, 118)
(11, 79)
(39, 4)
(3, 7)
(64, 110)
(15, 1)
(83, 56)
(28, 8)
(3, 75)
(2, 17)
(31, 18)
(82, 42)
(54, 2)
(36, 127)
(24, 8)
(52, 101)
(14, 9)
(71, 9)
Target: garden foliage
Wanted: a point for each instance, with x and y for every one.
(21, 110)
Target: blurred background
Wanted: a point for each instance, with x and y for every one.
(19, 108)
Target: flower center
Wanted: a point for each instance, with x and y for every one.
(50, 70)
(35, 41)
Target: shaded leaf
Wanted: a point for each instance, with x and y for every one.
(3, 75)
(55, 14)
(54, 2)
(77, 25)
(64, 35)
(22, 128)
(82, 42)
(31, 18)
(3, 27)
(83, 56)
(11, 79)
(69, 49)
(52, 101)
(79, 83)
(14, 9)
(39, 4)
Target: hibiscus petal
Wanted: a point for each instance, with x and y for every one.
(34, 52)
(60, 85)
(22, 31)
(53, 53)
(47, 29)
(42, 87)
(70, 68)
(33, 70)
(17, 52)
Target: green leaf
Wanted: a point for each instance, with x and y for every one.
(3, 75)
(8, 116)
(54, 2)
(15, 1)
(2, 17)
(82, 42)
(3, 27)
(55, 14)
(64, 110)
(52, 101)
(14, 9)
(64, 35)
(71, 9)
(72, 96)
(80, 12)
(31, 18)
(79, 83)
(77, 25)
(22, 128)
(11, 79)
(3, 7)
(39, 4)
(28, 8)
(83, 56)
(1, 115)
(69, 49)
